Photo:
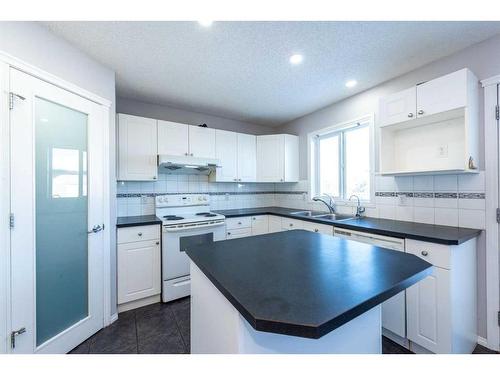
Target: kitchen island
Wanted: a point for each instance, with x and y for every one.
(294, 292)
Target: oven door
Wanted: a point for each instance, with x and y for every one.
(176, 240)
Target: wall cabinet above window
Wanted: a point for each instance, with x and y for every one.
(431, 128)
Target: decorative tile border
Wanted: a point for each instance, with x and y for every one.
(138, 195)
(443, 195)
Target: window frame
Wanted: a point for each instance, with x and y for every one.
(314, 160)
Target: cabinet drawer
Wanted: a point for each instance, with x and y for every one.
(437, 255)
(139, 233)
(318, 228)
(289, 224)
(238, 233)
(238, 222)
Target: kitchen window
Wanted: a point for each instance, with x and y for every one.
(342, 161)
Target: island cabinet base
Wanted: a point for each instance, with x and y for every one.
(217, 327)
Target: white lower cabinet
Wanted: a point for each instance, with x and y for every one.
(291, 224)
(260, 225)
(428, 312)
(441, 309)
(317, 228)
(274, 224)
(138, 266)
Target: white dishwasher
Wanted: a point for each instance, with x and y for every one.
(394, 309)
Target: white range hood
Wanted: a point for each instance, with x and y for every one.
(186, 164)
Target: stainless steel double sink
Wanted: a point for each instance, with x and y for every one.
(332, 217)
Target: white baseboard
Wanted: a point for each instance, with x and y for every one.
(484, 342)
(113, 318)
(139, 303)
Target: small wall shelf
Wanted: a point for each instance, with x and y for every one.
(432, 142)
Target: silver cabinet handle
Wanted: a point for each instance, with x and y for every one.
(291, 224)
(228, 233)
(239, 222)
(95, 229)
(316, 230)
(424, 253)
(154, 177)
(139, 234)
(420, 112)
(253, 218)
(410, 115)
(157, 242)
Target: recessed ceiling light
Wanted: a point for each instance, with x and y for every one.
(351, 83)
(206, 23)
(296, 59)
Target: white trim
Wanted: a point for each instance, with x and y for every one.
(491, 167)
(4, 208)
(7, 60)
(482, 341)
(495, 80)
(52, 79)
(113, 318)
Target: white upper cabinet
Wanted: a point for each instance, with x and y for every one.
(439, 133)
(270, 158)
(444, 93)
(201, 142)
(277, 158)
(237, 156)
(173, 138)
(137, 148)
(247, 157)
(398, 107)
(226, 145)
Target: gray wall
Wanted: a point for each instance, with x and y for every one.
(34, 44)
(483, 59)
(134, 107)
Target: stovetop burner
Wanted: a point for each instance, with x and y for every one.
(206, 214)
(172, 217)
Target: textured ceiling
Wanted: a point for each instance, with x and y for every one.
(240, 70)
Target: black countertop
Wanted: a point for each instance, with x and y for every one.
(132, 221)
(305, 284)
(402, 229)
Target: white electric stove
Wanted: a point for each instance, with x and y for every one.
(187, 221)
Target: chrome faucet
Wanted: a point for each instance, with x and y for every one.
(359, 210)
(330, 205)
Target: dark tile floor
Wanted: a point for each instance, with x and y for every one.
(164, 328)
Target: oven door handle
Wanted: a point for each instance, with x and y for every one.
(194, 227)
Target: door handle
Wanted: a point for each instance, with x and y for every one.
(95, 229)
(13, 336)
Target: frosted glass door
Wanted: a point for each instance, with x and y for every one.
(61, 218)
(57, 199)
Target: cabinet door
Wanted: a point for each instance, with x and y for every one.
(260, 224)
(226, 147)
(202, 142)
(398, 107)
(291, 224)
(247, 157)
(442, 94)
(172, 138)
(274, 224)
(137, 148)
(428, 312)
(270, 158)
(138, 270)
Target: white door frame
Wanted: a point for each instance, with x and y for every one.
(491, 166)
(7, 61)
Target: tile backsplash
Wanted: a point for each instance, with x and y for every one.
(454, 200)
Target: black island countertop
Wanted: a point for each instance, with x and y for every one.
(133, 221)
(401, 229)
(304, 284)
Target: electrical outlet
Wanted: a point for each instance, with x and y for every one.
(443, 151)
